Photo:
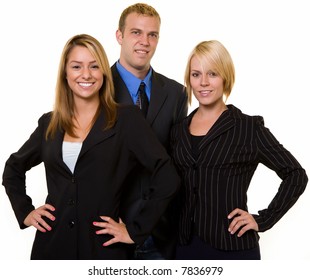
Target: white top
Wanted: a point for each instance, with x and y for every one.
(70, 153)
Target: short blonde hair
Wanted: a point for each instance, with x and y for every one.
(212, 52)
(140, 9)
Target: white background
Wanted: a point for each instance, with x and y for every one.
(267, 39)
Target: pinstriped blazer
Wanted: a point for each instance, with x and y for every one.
(217, 181)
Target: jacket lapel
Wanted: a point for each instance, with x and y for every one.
(222, 125)
(186, 140)
(57, 147)
(158, 93)
(97, 134)
(158, 97)
(122, 94)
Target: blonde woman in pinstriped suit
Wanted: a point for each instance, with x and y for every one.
(216, 150)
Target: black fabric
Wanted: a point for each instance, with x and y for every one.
(142, 100)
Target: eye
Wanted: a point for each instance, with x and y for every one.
(195, 74)
(75, 67)
(95, 66)
(212, 74)
(154, 35)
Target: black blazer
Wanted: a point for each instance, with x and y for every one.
(168, 106)
(95, 187)
(217, 182)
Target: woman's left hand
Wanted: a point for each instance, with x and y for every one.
(241, 219)
(111, 227)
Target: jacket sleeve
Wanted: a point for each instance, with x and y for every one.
(183, 106)
(294, 179)
(164, 182)
(14, 175)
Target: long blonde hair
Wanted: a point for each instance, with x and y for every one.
(63, 113)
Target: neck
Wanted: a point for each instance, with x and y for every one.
(84, 113)
(211, 111)
(85, 106)
(139, 72)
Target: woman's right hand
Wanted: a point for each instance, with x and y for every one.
(35, 219)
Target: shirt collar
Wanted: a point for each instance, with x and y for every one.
(132, 82)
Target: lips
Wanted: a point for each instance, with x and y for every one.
(141, 51)
(86, 84)
(205, 92)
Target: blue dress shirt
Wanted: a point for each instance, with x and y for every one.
(133, 83)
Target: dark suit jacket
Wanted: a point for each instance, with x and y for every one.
(95, 187)
(168, 106)
(217, 182)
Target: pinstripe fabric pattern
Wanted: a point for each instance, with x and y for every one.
(217, 182)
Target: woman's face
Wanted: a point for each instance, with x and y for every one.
(83, 74)
(207, 85)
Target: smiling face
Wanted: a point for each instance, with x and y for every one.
(206, 84)
(138, 42)
(83, 74)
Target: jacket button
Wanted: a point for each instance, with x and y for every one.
(71, 224)
(71, 202)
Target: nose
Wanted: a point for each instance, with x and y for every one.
(86, 74)
(144, 40)
(205, 80)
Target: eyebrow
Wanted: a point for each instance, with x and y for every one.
(140, 30)
(76, 61)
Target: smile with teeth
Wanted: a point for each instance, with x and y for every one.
(85, 84)
(141, 51)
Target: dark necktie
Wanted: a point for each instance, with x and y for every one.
(142, 100)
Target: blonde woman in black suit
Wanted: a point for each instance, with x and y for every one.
(216, 150)
(89, 145)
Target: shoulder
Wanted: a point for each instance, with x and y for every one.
(45, 118)
(165, 81)
(113, 68)
(238, 115)
(178, 127)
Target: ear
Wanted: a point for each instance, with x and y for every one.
(119, 36)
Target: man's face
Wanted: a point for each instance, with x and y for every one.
(138, 42)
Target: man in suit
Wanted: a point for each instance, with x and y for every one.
(138, 34)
